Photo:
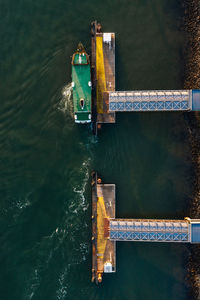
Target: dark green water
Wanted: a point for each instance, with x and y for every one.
(46, 160)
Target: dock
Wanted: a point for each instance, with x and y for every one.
(107, 229)
(103, 74)
(103, 209)
(106, 101)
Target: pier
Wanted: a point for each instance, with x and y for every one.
(103, 74)
(106, 101)
(103, 248)
(106, 229)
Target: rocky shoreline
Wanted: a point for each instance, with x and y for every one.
(192, 28)
(192, 81)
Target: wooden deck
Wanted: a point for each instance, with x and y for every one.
(103, 209)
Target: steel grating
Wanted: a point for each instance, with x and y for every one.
(172, 100)
(150, 230)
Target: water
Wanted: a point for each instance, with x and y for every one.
(46, 160)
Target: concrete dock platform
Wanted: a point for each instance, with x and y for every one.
(106, 229)
(103, 74)
(103, 209)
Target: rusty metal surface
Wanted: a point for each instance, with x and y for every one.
(105, 193)
(103, 115)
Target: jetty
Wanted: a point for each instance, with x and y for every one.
(103, 209)
(106, 101)
(103, 75)
(107, 229)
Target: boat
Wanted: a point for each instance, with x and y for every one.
(81, 85)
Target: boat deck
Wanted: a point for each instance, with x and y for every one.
(103, 209)
(81, 89)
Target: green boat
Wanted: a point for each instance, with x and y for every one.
(81, 84)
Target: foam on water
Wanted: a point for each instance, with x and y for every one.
(17, 205)
(63, 240)
(66, 104)
(33, 284)
(80, 191)
(22, 203)
(61, 293)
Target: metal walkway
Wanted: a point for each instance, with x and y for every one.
(165, 100)
(150, 230)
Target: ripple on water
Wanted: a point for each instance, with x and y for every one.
(67, 246)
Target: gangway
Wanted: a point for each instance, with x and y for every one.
(155, 100)
(150, 230)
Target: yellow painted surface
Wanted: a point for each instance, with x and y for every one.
(101, 241)
(100, 74)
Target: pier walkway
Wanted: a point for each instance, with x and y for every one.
(163, 100)
(150, 230)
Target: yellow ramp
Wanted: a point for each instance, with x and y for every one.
(101, 214)
(100, 74)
